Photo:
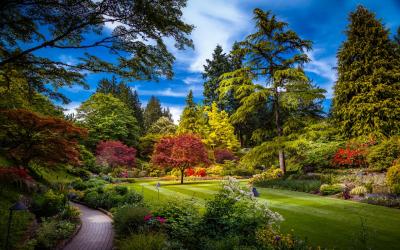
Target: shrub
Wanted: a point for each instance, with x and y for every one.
(327, 189)
(382, 156)
(70, 213)
(128, 220)
(383, 201)
(182, 217)
(81, 172)
(88, 160)
(92, 183)
(359, 190)
(270, 238)
(51, 231)
(149, 241)
(271, 174)
(393, 178)
(215, 170)
(115, 153)
(48, 204)
(222, 155)
(121, 190)
(111, 198)
(349, 158)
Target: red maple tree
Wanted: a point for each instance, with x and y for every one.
(181, 152)
(26, 136)
(222, 154)
(115, 153)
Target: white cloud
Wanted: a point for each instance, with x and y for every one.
(323, 67)
(176, 111)
(71, 107)
(191, 80)
(170, 92)
(216, 22)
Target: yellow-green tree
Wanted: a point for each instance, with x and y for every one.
(221, 132)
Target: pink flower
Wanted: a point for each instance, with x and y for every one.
(161, 219)
(148, 217)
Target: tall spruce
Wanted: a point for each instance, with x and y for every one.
(367, 92)
(152, 112)
(274, 54)
(189, 117)
(214, 68)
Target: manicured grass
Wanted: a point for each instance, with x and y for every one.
(324, 221)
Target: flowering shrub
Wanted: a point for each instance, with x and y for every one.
(222, 155)
(349, 158)
(200, 172)
(189, 172)
(271, 238)
(271, 174)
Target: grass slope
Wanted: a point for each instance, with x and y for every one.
(326, 222)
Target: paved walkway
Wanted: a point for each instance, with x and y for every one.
(96, 232)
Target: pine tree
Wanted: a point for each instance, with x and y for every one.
(367, 92)
(107, 86)
(152, 112)
(214, 68)
(275, 54)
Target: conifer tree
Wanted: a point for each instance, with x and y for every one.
(152, 112)
(367, 92)
(275, 55)
(214, 68)
(190, 117)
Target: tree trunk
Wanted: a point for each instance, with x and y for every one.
(281, 153)
(182, 172)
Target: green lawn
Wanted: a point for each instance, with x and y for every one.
(326, 222)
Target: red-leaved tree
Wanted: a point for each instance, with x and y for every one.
(349, 158)
(26, 136)
(222, 155)
(115, 153)
(181, 152)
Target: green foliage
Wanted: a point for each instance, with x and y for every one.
(123, 92)
(48, 204)
(271, 174)
(383, 155)
(383, 201)
(146, 145)
(359, 190)
(129, 220)
(144, 241)
(183, 218)
(221, 132)
(51, 231)
(393, 178)
(108, 118)
(88, 160)
(192, 119)
(366, 95)
(108, 198)
(89, 184)
(327, 189)
(153, 112)
(63, 26)
(163, 126)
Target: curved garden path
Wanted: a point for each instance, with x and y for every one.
(96, 232)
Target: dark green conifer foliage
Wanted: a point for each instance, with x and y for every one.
(274, 54)
(214, 68)
(367, 92)
(152, 112)
(190, 116)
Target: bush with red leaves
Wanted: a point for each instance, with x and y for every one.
(16, 176)
(222, 155)
(114, 154)
(349, 158)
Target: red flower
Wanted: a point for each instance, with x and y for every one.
(161, 219)
(148, 217)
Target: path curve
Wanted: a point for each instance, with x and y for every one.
(96, 232)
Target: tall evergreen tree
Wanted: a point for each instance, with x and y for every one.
(367, 92)
(275, 54)
(214, 68)
(189, 117)
(152, 112)
(107, 86)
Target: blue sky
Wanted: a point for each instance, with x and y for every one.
(225, 21)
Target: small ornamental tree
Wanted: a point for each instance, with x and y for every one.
(26, 136)
(115, 153)
(349, 157)
(181, 152)
(222, 155)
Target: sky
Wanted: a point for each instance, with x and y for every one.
(225, 21)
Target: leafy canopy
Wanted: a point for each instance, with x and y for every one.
(115, 154)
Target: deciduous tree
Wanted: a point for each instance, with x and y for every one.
(108, 118)
(181, 152)
(115, 154)
(26, 136)
(119, 27)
